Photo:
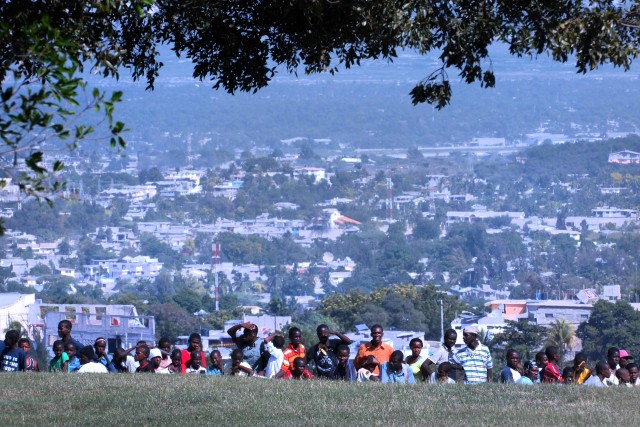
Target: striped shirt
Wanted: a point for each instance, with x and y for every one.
(474, 362)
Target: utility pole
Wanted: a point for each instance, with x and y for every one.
(216, 261)
(441, 320)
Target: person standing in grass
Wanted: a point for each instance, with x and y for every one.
(441, 376)
(195, 363)
(603, 372)
(514, 370)
(293, 351)
(176, 362)
(475, 358)
(580, 371)
(299, 371)
(74, 360)
(443, 355)
(625, 358)
(396, 371)
(416, 361)
(164, 344)
(251, 345)
(376, 348)
(64, 332)
(366, 373)
(215, 368)
(551, 373)
(531, 374)
(60, 361)
(88, 362)
(31, 364)
(633, 374)
(155, 355)
(613, 359)
(624, 378)
(195, 344)
(345, 369)
(273, 344)
(541, 361)
(142, 357)
(237, 366)
(100, 347)
(324, 353)
(12, 357)
(123, 361)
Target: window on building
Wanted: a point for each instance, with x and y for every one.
(548, 315)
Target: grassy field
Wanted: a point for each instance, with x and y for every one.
(105, 400)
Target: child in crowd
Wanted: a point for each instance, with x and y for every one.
(236, 367)
(299, 371)
(176, 362)
(100, 347)
(31, 364)
(366, 373)
(215, 367)
(123, 361)
(551, 372)
(59, 363)
(165, 347)
(345, 369)
(142, 357)
(567, 375)
(580, 371)
(274, 344)
(195, 363)
(531, 373)
(155, 355)
(396, 371)
(624, 379)
(541, 361)
(88, 362)
(441, 376)
(12, 357)
(633, 374)
(415, 360)
(74, 361)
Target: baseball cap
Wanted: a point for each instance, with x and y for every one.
(471, 329)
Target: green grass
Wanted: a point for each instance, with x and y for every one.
(105, 400)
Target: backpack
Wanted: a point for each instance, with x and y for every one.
(325, 362)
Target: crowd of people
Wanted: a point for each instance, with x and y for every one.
(330, 359)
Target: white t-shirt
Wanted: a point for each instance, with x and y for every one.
(433, 379)
(275, 360)
(229, 364)
(516, 375)
(93, 368)
(190, 370)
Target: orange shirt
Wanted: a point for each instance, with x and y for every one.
(382, 353)
(290, 355)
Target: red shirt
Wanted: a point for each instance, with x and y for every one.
(290, 355)
(306, 375)
(551, 374)
(186, 358)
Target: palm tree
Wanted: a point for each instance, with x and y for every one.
(561, 334)
(16, 325)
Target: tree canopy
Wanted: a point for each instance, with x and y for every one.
(47, 47)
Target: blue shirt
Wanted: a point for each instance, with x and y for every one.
(389, 375)
(212, 370)
(74, 364)
(526, 381)
(12, 360)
